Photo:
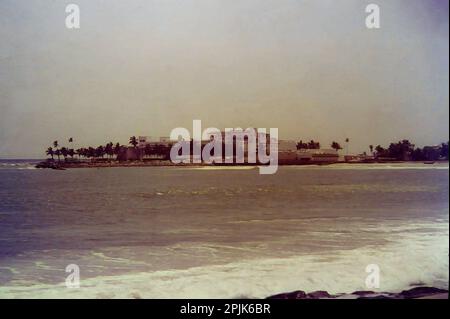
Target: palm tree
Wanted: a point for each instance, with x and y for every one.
(313, 145)
(100, 151)
(80, 152)
(69, 148)
(58, 153)
(301, 145)
(90, 152)
(133, 141)
(50, 152)
(64, 152)
(347, 140)
(380, 151)
(117, 149)
(371, 148)
(336, 146)
(109, 149)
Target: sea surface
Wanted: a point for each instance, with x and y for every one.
(221, 232)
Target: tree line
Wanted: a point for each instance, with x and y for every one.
(108, 151)
(313, 145)
(402, 150)
(405, 150)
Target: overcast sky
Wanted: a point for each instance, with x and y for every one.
(310, 68)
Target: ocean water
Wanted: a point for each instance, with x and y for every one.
(221, 232)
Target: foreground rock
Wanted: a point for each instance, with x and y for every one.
(414, 293)
(50, 164)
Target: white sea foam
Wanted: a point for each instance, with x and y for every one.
(32, 167)
(380, 166)
(20, 164)
(415, 259)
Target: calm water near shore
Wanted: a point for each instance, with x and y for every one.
(158, 232)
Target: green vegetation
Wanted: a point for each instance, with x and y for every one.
(405, 151)
(336, 146)
(311, 145)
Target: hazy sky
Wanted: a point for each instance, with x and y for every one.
(310, 68)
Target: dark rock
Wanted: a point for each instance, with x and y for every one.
(363, 293)
(379, 296)
(417, 292)
(299, 294)
(421, 292)
(319, 294)
(49, 164)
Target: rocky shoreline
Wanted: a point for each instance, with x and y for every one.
(414, 293)
(99, 164)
